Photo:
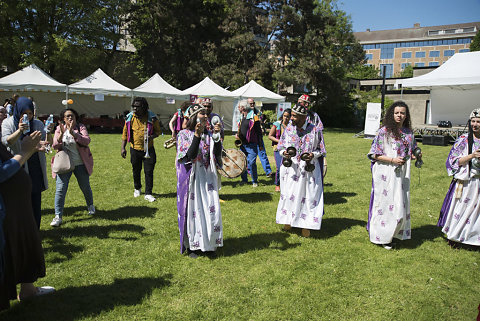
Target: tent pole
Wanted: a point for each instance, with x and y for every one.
(401, 92)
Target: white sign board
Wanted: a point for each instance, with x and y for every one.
(99, 97)
(236, 116)
(281, 107)
(372, 118)
(170, 101)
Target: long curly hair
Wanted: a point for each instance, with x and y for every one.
(389, 120)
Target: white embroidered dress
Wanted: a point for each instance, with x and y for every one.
(301, 196)
(462, 223)
(389, 215)
(203, 218)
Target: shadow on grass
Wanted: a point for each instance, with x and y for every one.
(244, 244)
(126, 212)
(66, 211)
(65, 249)
(101, 232)
(250, 198)
(74, 303)
(332, 226)
(166, 195)
(331, 198)
(419, 236)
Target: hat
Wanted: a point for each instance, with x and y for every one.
(305, 98)
(140, 102)
(299, 109)
(206, 101)
(193, 110)
(475, 113)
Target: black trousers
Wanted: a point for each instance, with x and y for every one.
(137, 158)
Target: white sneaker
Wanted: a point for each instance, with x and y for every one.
(255, 185)
(387, 246)
(149, 198)
(136, 193)
(91, 210)
(57, 221)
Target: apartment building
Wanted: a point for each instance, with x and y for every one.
(418, 46)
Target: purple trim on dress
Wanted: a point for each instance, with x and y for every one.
(183, 180)
(446, 204)
(320, 162)
(371, 199)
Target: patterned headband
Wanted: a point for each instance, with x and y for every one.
(299, 109)
(475, 113)
(193, 110)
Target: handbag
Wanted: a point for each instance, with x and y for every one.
(62, 163)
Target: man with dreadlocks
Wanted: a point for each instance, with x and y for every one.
(460, 213)
(391, 151)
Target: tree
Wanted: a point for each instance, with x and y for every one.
(364, 72)
(61, 37)
(316, 47)
(407, 72)
(475, 44)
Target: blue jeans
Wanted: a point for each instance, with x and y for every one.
(278, 162)
(250, 150)
(62, 186)
(262, 154)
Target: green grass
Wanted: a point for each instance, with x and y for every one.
(124, 263)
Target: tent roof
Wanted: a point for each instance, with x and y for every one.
(157, 87)
(209, 89)
(462, 71)
(99, 83)
(31, 78)
(259, 93)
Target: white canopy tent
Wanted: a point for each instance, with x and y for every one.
(454, 88)
(222, 99)
(34, 82)
(98, 94)
(258, 93)
(163, 98)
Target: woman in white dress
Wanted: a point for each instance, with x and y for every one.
(460, 213)
(198, 204)
(391, 153)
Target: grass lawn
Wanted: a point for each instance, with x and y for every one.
(124, 262)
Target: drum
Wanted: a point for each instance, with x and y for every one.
(234, 163)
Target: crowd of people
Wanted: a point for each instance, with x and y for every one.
(198, 133)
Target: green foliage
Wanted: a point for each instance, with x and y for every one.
(316, 47)
(361, 98)
(271, 115)
(61, 37)
(475, 44)
(407, 72)
(124, 262)
(364, 72)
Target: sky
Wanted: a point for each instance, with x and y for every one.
(388, 14)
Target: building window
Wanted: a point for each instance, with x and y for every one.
(448, 53)
(407, 54)
(419, 64)
(449, 31)
(433, 63)
(433, 32)
(464, 50)
(470, 29)
(434, 53)
(388, 70)
(369, 56)
(387, 50)
(420, 54)
(405, 65)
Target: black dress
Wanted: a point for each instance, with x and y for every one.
(24, 260)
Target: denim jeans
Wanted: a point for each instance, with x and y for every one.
(262, 154)
(250, 150)
(62, 186)
(278, 162)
